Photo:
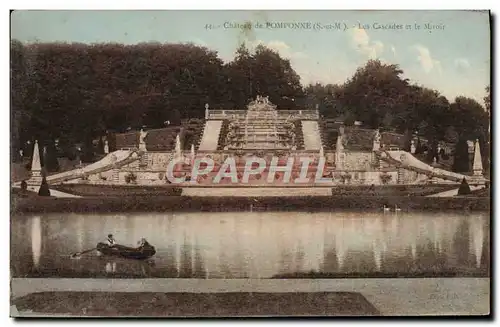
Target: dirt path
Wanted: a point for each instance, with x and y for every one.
(156, 304)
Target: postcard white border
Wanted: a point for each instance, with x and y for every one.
(186, 4)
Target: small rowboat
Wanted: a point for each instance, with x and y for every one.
(143, 252)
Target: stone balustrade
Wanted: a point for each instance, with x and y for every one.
(281, 114)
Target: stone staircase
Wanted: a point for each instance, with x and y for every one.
(115, 177)
(312, 135)
(210, 138)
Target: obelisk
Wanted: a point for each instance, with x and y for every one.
(477, 166)
(36, 167)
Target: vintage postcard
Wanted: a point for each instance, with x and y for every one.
(250, 163)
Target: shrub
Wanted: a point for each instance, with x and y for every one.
(464, 188)
(345, 177)
(130, 178)
(385, 178)
(44, 188)
(176, 191)
(24, 186)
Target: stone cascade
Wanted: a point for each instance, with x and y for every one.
(260, 135)
(261, 127)
(260, 130)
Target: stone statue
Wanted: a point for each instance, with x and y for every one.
(377, 136)
(413, 148)
(106, 147)
(376, 141)
(142, 136)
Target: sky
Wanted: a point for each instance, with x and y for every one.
(453, 56)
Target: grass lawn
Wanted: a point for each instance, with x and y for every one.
(155, 203)
(116, 190)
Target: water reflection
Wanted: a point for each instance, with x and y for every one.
(258, 244)
(36, 240)
(476, 238)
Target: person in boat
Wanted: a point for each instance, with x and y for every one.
(143, 242)
(111, 240)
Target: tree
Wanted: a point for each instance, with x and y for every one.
(77, 91)
(408, 137)
(175, 117)
(374, 91)
(472, 122)
(469, 117)
(461, 163)
(451, 135)
(325, 97)
(263, 72)
(19, 81)
(487, 100)
(429, 113)
(51, 164)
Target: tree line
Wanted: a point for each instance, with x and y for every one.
(77, 92)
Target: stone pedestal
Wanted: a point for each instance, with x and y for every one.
(143, 161)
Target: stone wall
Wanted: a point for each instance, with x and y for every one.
(365, 178)
(357, 161)
(407, 176)
(158, 160)
(144, 177)
(358, 165)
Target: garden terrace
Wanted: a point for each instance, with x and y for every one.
(393, 140)
(162, 139)
(192, 133)
(329, 132)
